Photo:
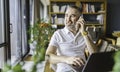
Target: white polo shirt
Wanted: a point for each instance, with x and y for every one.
(68, 44)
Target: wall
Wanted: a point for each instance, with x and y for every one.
(113, 16)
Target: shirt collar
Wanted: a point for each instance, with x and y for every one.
(66, 30)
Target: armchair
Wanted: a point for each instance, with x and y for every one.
(106, 44)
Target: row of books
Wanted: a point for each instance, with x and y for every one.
(88, 8)
(56, 20)
(91, 8)
(57, 8)
(98, 20)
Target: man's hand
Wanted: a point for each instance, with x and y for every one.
(75, 61)
(81, 24)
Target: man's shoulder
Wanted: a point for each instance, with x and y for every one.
(59, 30)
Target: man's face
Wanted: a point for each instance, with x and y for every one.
(71, 17)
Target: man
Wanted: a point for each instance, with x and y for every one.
(67, 45)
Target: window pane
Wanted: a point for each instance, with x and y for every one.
(1, 35)
(15, 20)
(25, 24)
(1, 23)
(19, 32)
(2, 57)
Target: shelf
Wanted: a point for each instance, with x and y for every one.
(59, 24)
(77, 0)
(94, 12)
(82, 13)
(85, 24)
(57, 13)
(94, 24)
(63, 0)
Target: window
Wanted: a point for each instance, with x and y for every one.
(19, 20)
(1, 24)
(14, 22)
(4, 32)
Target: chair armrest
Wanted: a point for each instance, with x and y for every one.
(113, 41)
(86, 53)
(47, 67)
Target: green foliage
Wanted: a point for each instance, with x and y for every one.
(7, 68)
(16, 68)
(41, 33)
(116, 67)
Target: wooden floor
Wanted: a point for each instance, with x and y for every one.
(28, 62)
(28, 58)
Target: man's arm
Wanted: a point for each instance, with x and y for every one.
(54, 58)
(90, 45)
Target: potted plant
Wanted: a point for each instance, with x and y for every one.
(41, 33)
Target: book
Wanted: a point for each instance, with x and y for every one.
(63, 8)
(55, 8)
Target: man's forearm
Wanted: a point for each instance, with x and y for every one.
(90, 45)
(54, 59)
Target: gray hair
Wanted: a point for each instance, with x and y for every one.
(76, 7)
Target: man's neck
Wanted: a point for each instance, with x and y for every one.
(74, 31)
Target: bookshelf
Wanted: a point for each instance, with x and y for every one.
(94, 12)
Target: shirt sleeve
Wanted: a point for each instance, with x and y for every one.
(54, 40)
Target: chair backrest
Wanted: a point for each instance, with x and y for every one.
(102, 46)
(106, 45)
